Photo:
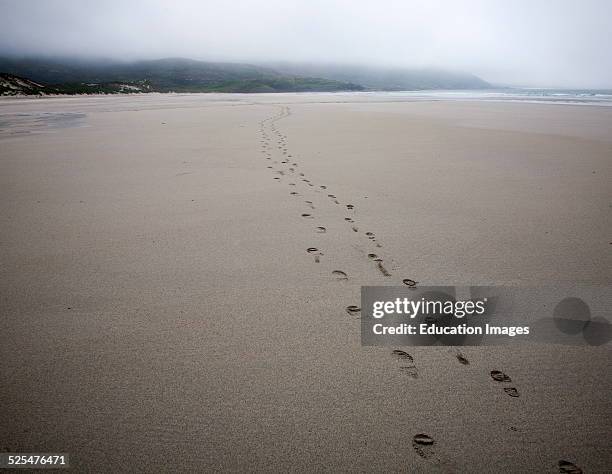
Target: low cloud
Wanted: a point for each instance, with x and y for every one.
(533, 43)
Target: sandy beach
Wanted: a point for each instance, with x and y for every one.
(162, 311)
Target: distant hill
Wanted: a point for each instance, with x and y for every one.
(163, 75)
(187, 75)
(387, 79)
(15, 85)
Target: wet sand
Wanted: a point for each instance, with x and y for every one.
(162, 310)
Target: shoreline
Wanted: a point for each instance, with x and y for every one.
(433, 95)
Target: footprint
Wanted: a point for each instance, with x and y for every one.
(409, 282)
(293, 193)
(340, 274)
(567, 467)
(309, 204)
(410, 371)
(316, 252)
(355, 229)
(323, 187)
(403, 355)
(372, 255)
(423, 445)
(370, 235)
(461, 358)
(381, 268)
(348, 219)
(321, 230)
(408, 366)
(353, 309)
(350, 206)
(499, 376)
(307, 216)
(331, 196)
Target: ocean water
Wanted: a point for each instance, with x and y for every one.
(562, 96)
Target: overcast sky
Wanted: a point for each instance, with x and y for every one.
(521, 42)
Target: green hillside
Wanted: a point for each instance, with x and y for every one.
(164, 75)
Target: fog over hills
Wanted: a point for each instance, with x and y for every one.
(188, 75)
(531, 43)
(387, 78)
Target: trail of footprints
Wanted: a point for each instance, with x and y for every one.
(286, 169)
(500, 377)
